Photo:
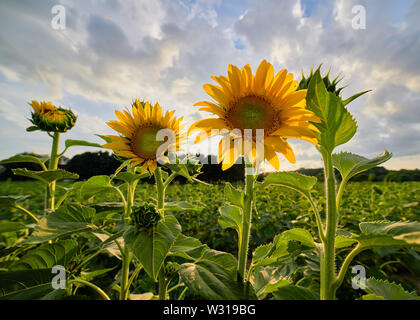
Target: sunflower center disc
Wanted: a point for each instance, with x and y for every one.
(252, 113)
(144, 142)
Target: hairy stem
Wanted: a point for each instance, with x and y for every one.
(246, 226)
(53, 164)
(328, 254)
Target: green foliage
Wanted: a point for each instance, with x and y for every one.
(337, 124)
(383, 289)
(67, 220)
(151, 248)
(350, 164)
(47, 176)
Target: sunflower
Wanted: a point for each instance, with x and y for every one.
(48, 117)
(262, 101)
(138, 140)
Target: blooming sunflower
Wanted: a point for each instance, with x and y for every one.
(262, 101)
(48, 117)
(138, 140)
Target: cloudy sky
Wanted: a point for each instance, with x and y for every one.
(113, 51)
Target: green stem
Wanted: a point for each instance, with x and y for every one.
(317, 218)
(163, 286)
(345, 265)
(161, 204)
(340, 192)
(328, 255)
(169, 180)
(126, 254)
(27, 212)
(131, 279)
(160, 189)
(246, 225)
(91, 285)
(53, 164)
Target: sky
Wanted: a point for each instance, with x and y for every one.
(114, 51)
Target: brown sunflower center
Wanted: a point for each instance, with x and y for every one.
(144, 142)
(252, 112)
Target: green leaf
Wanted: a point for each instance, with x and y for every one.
(106, 139)
(10, 201)
(47, 256)
(66, 220)
(337, 124)
(354, 97)
(32, 128)
(213, 277)
(39, 292)
(15, 281)
(234, 196)
(292, 292)
(152, 246)
(292, 180)
(343, 242)
(389, 234)
(131, 177)
(11, 226)
(266, 280)
(231, 217)
(300, 235)
(46, 176)
(188, 248)
(180, 206)
(92, 187)
(388, 290)
(70, 143)
(23, 158)
(350, 164)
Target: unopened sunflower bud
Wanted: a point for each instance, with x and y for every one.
(145, 217)
(331, 86)
(170, 269)
(48, 117)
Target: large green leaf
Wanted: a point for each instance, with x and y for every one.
(293, 292)
(213, 277)
(350, 164)
(337, 124)
(92, 187)
(234, 196)
(292, 180)
(266, 280)
(70, 143)
(388, 290)
(67, 220)
(152, 246)
(131, 177)
(47, 176)
(9, 226)
(300, 235)
(231, 217)
(188, 248)
(18, 284)
(47, 256)
(23, 158)
(389, 234)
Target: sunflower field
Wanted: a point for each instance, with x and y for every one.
(138, 234)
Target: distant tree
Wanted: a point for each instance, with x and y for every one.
(90, 164)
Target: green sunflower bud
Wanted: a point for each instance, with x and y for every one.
(145, 217)
(330, 85)
(47, 117)
(193, 167)
(170, 269)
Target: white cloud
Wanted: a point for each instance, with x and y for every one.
(114, 51)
